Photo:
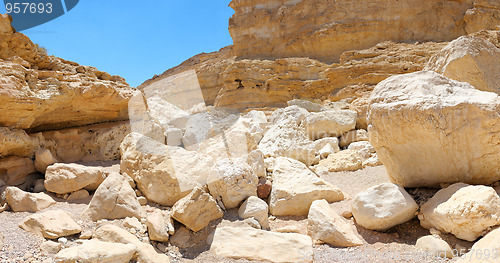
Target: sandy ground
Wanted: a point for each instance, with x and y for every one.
(394, 245)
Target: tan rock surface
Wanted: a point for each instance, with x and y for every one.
(487, 243)
(14, 170)
(383, 206)
(463, 210)
(469, 59)
(253, 244)
(196, 210)
(232, 181)
(61, 93)
(62, 178)
(325, 225)
(97, 251)
(435, 246)
(43, 159)
(51, 224)
(295, 187)
(268, 29)
(164, 174)
(114, 199)
(145, 252)
(417, 127)
(160, 226)
(21, 201)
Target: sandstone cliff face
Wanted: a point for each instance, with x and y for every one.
(40, 92)
(45, 101)
(323, 29)
(228, 82)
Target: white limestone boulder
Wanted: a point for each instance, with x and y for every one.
(114, 199)
(295, 187)
(63, 178)
(325, 225)
(43, 159)
(115, 234)
(428, 130)
(469, 59)
(196, 210)
(466, 211)
(383, 206)
(21, 201)
(164, 174)
(434, 246)
(254, 244)
(232, 181)
(331, 123)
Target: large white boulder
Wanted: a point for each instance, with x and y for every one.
(114, 199)
(469, 59)
(295, 187)
(428, 130)
(465, 211)
(325, 225)
(254, 244)
(164, 174)
(383, 206)
(232, 181)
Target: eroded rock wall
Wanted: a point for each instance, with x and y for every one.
(324, 29)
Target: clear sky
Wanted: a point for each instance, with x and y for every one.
(135, 39)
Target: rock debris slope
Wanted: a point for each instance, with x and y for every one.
(267, 149)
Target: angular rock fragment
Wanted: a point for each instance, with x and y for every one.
(295, 187)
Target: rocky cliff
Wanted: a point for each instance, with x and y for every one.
(323, 29)
(40, 92)
(284, 49)
(45, 101)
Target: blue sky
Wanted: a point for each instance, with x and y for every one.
(135, 39)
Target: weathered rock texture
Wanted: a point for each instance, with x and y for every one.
(428, 129)
(470, 59)
(253, 244)
(295, 187)
(268, 29)
(21, 201)
(114, 199)
(242, 84)
(464, 210)
(383, 206)
(51, 224)
(41, 92)
(97, 251)
(164, 174)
